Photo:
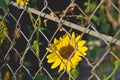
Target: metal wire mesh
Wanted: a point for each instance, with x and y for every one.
(17, 53)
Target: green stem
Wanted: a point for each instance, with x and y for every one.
(37, 33)
(37, 47)
(69, 78)
(112, 73)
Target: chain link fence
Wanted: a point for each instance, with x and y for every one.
(29, 31)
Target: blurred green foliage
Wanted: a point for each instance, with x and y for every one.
(3, 31)
(4, 5)
(104, 25)
(42, 76)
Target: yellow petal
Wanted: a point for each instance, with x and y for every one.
(68, 66)
(48, 49)
(53, 55)
(61, 67)
(60, 38)
(56, 63)
(83, 49)
(22, 2)
(81, 43)
(17, 1)
(58, 46)
(72, 43)
(55, 41)
(65, 41)
(51, 60)
(76, 57)
(77, 53)
(74, 63)
(77, 38)
(73, 35)
(83, 54)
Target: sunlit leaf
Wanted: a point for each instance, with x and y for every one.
(4, 5)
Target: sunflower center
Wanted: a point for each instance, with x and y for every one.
(66, 51)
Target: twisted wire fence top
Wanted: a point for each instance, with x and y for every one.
(29, 35)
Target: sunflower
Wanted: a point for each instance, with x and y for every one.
(22, 2)
(66, 52)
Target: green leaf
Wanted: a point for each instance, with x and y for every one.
(105, 28)
(39, 22)
(117, 63)
(96, 19)
(93, 6)
(26, 63)
(4, 5)
(89, 7)
(74, 72)
(42, 76)
(35, 46)
(93, 52)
